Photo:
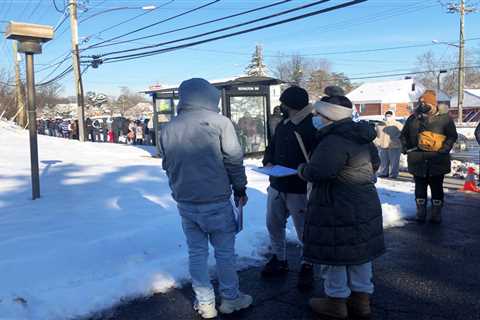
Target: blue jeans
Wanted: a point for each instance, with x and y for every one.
(214, 222)
(340, 281)
(390, 162)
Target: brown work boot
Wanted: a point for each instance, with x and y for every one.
(358, 305)
(335, 308)
(436, 216)
(421, 210)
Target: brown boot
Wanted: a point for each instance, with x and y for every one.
(335, 308)
(358, 305)
(421, 210)
(436, 216)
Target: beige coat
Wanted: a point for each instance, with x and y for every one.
(388, 134)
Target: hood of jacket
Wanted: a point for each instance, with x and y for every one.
(198, 93)
(360, 132)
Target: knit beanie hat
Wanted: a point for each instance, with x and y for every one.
(334, 106)
(429, 97)
(295, 98)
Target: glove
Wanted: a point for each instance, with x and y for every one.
(240, 196)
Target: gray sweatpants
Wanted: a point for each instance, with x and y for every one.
(390, 162)
(279, 207)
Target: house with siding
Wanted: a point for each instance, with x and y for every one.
(399, 96)
(471, 105)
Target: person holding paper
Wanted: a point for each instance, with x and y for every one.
(343, 229)
(204, 162)
(287, 196)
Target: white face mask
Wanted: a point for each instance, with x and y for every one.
(319, 122)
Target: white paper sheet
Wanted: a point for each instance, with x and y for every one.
(276, 171)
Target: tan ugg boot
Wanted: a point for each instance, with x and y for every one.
(421, 210)
(436, 216)
(335, 308)
(358, 305)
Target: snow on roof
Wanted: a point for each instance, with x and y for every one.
(471, 98)
(396, 91)
(474, 92)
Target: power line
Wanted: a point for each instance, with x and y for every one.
(271, 16)
(35, 9)
(159, 22)
(56, 7)
(193, 25)
(128, 20)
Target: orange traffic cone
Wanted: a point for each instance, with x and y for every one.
(470, 184)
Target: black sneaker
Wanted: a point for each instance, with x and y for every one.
(305, 277)
(275, 267)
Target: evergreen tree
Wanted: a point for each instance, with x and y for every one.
(257, 68)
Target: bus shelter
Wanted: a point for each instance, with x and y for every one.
(247, 101)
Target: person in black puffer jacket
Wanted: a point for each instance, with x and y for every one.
(427, 164)
(343, 226)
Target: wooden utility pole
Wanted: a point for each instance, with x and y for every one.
(461, 62)
(462, 10)
(20, 102)
(76, 71)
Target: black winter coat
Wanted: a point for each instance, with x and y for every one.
(285, 150)
(424, 163)
(344, 224)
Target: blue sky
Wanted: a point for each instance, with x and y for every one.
(369, 25)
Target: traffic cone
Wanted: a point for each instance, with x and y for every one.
(470, 184)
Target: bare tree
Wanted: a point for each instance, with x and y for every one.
(294, 69)
(126, 100)
(7, 95)
(430, 66)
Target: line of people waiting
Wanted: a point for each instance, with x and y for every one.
(114, 130)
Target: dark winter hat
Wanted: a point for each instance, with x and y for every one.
(334, 106)
(295, 98)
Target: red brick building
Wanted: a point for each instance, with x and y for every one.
(399, 96)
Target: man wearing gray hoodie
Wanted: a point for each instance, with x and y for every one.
(204, 163)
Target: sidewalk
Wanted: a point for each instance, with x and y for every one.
(429, 272)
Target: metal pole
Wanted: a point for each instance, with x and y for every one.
(156, 127)
(76, 71)
(32, 119)
(438, 84)
(461, 62)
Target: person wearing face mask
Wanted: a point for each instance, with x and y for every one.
(343, 225)
(287, 196)
(428, 137)
(390, 146)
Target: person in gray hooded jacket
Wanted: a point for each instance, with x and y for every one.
(204, 162)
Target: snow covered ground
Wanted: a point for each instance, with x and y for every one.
(106, 228)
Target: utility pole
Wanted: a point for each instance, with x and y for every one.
(22, 112)
(462, 10)
(76, 70)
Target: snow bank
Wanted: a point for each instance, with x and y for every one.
(106, 227)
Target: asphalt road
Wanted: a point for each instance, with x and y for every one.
(429, 272)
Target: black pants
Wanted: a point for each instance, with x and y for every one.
(436, 186)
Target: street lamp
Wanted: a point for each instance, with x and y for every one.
(30, 38)
(446, 43)
(438, 79)
(144, 8)
(461, 72)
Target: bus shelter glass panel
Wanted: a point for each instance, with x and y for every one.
(249, 118)
(164, 109)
